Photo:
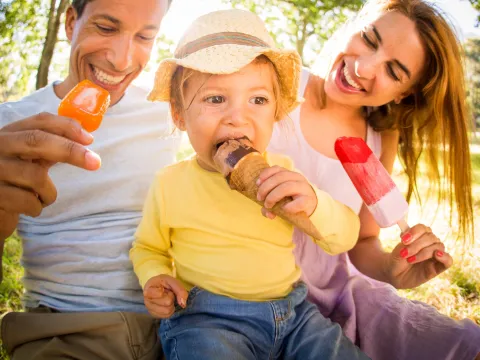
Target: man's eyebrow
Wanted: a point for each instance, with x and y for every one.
(118, 22)
(109, 18)
(151, 27)
(404, 68)
(377, 34)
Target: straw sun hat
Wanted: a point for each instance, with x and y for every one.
(223, 42)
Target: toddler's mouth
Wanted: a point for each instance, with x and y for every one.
(222, 141)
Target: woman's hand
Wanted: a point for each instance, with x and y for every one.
(418, 258)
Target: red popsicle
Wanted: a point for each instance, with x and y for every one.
(372, 181)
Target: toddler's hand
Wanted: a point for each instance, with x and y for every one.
(159, 295)
(276, 183)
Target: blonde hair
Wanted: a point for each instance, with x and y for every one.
(182, 75)
(432, 121)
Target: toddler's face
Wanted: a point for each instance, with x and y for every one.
(222, 107)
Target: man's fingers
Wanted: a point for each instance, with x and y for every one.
(54, 124)
(28, 175)
(37, 144)
(15, 200)
(8, 223)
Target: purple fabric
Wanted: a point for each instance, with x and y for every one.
(372, 314)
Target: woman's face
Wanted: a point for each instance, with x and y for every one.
(379, 63)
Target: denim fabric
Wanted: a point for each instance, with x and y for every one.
(218, 327)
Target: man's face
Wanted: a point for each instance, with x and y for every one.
(111, 42)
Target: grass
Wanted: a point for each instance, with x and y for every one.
(455, 293)
(11, 288)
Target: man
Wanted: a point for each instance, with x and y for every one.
(82, 298)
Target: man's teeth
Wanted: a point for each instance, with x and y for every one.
(107, 79)
(349, 79)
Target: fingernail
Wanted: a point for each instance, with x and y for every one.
(411, 259)
(406, 238)
(258, 182)
(440, 253)
(92, 160)
(258, 197)
(404, 253)
(182, 302)
(87, 136)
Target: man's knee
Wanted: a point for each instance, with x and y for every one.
(89, 336)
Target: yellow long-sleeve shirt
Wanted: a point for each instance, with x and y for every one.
(218, 239)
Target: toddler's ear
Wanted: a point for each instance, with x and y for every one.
(177, 116)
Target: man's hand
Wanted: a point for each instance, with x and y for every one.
(276, 183)
(29, 147)
(159, 295)
(418, 258)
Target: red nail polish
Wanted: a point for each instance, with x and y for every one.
(440, 253)
(411, 259)
(406, 238)
(404, 253)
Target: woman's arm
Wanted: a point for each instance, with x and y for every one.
(419, 257)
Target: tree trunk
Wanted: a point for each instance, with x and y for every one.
(54, 17)
(301, 38)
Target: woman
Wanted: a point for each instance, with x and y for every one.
(393, 77)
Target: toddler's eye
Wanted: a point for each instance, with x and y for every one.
(217, 99)
(259, 100)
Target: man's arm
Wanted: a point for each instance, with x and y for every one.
(29, 148)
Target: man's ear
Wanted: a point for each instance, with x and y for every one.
(177, 117)
(70, 20)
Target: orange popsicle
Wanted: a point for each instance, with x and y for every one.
(86, 103)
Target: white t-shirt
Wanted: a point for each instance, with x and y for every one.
(76, 253)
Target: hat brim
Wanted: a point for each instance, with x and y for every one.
(233, 58)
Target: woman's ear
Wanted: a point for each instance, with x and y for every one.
(402, 96)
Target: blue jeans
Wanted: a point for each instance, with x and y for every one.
(218, 327)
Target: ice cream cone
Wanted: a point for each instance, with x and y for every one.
(243, 175)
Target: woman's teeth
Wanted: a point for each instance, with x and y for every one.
(107, 79)
(349, 79)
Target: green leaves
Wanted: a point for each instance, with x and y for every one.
(22, 28)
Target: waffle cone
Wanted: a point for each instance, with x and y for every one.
(243, 178)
